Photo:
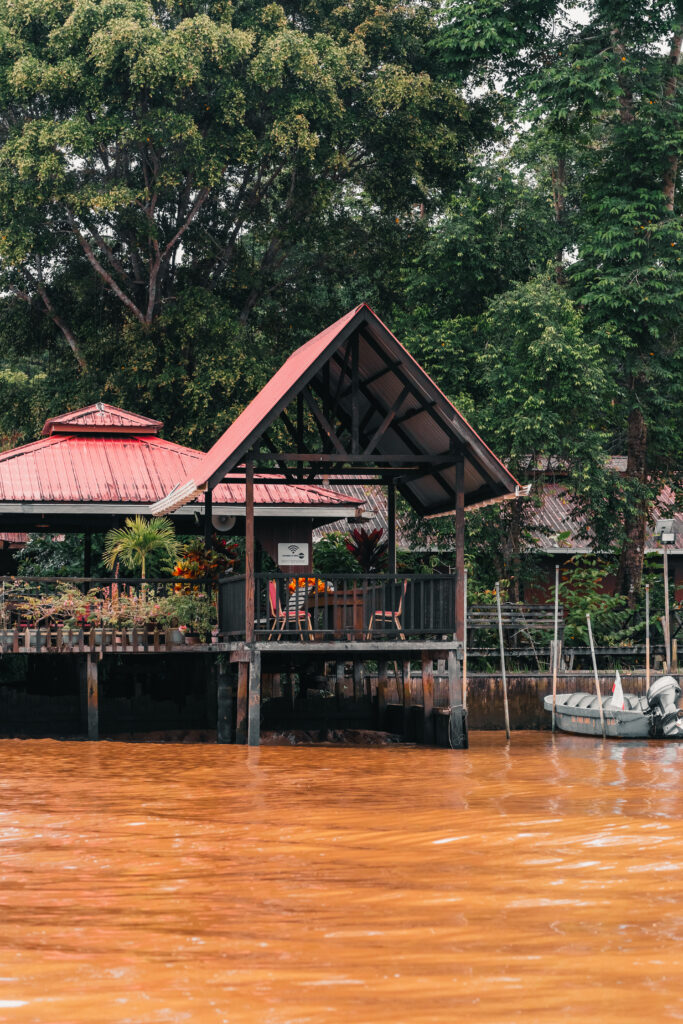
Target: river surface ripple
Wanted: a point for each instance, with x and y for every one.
(146, 882)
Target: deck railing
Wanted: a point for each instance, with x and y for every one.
(339, 608)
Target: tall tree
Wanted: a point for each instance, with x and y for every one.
(596, 84)
(153, 145)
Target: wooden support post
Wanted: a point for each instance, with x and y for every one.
(382, 684)
(647, 637)
(208, 513)
(242, 701)
(464, 639)
(355, 406)
(595, 673)
(667, 621)
(87, 554)
(254, 713)
(249, 554)
(339, 680)
(428, 697)
(460, 549)
(407, 696)
(457, 723)
(391, 526)
(92, 696)
(224, 715)
(83, 692)
(357, 680)
(454, 681)
(502, 663)
(556, 651)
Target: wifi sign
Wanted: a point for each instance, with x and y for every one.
(292, 554)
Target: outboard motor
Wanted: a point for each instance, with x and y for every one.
(661, 698)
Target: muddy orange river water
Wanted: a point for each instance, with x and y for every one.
(146, 882)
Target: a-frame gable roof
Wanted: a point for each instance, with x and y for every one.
(402, 412)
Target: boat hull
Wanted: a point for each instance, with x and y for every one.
(579, 713)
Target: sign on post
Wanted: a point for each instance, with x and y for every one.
(292, 554)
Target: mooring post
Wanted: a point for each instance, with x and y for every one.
(340, 669)
(382, 684)
(358, 692)
(91, 675)
(254, 713)
(224, 716)
(457, 718)
(428, 697)
(242, 701)
(407, 696)
(83, 691)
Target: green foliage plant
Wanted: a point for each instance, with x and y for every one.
(139, 538)
(331, 556)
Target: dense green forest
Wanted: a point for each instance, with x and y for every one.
(190, 190)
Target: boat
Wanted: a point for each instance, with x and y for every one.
(626, 715)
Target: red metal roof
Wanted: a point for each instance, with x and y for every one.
(101, 418)
(486, 478)
(132, 468)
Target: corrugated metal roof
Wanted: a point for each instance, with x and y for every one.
(92, 468)
(555, 526)
(101, 417)
(427, 434)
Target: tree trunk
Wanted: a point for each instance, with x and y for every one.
(630, 572)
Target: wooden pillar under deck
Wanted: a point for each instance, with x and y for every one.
(254, 711)
(224, 715)
(242, 702)
(407, 695)
(92, 696)
(391, 526)
(339, 680)
(454, 680)
(382, 684)
(358, 693)
(428, 697)
(249, 563)
(460, 549)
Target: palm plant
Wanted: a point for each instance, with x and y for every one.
(137, 539)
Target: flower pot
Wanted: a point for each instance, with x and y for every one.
(177, 636)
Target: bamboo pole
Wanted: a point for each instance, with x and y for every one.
(555, 634)
(647, 637)
(464, 645)
(595, 672)
(502, 663)
(667, 624)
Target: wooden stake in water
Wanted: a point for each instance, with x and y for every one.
(595, 671)
(502, 663)
(556, 630)
(667, 625)
(647, 637)
(464, 647)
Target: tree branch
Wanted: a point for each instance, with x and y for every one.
(104, 274)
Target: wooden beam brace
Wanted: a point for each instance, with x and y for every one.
(377, 375)
(327, 428)
(386, 423)
(412, 413)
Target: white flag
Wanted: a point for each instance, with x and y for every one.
(617, 700)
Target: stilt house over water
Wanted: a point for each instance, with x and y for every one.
(351, 403)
